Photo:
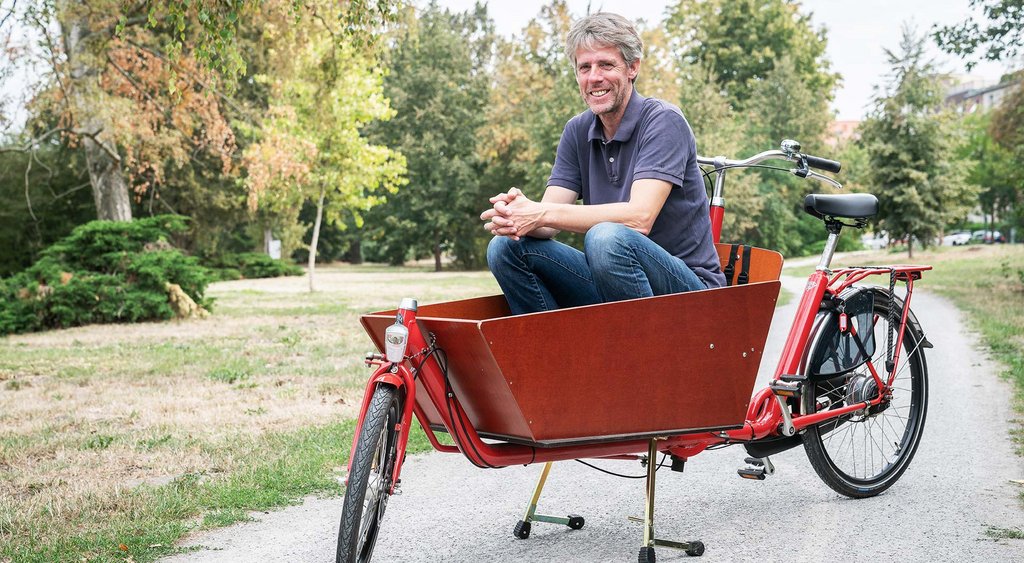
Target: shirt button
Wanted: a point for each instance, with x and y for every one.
(611, 159)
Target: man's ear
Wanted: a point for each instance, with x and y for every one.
(633, 70)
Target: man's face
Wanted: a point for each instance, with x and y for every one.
(604, 78)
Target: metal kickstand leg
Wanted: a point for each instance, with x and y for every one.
(522, 528)
(694, 548)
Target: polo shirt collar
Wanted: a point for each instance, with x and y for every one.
(629, 120)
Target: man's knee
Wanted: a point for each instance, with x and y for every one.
(605, 237)
(497, 250)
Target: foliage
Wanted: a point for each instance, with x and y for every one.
(740, 41)
(999, 38)
(438, 87)
(995, 169)
(911, 147)
(755, 73)
(212, 27)
(103, 272)
(249, 265)
(312, 148)
(43, 195)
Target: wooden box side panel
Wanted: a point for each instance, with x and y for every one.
(684, 361)
(475, 308)
(475, 377)
(765, 265)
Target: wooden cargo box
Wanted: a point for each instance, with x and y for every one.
(654, 366)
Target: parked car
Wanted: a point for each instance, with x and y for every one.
(957, 238)
(987, 237)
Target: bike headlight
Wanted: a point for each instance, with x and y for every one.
(395, 338)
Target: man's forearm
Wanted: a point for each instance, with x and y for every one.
(580, 218)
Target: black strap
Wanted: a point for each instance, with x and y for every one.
(744, 276)
(732, 262)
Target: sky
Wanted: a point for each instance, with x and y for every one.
(858, 31)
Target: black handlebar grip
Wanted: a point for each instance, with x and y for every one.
(823, 163)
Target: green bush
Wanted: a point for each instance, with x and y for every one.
(103, 272)
(249, 265)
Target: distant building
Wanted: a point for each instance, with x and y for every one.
(840, 131)
(972, 96)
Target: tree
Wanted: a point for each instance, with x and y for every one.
(999, 38)
(995, 142)
(741, 41)
(139, 85)
(108, 89)
(438, 92)
(313, 148)
(767, 64)
(911, 146)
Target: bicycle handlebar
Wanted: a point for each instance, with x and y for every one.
(823, 163)
(811, 160)
(804, 161)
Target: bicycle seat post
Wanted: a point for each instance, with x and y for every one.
(834, 227)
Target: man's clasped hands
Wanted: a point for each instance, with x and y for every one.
(512, 215)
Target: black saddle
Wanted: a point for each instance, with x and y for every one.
(841, 206)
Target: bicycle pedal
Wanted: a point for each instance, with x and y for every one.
(755, 461)
(785, 389)
(755, 473)
(793, 378)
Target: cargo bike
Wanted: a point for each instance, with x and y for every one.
(622, 380)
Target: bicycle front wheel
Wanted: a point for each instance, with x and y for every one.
(369, 480)
(862, 454)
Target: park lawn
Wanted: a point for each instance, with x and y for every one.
(117, 440)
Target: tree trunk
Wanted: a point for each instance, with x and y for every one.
(316, 236)
(109, 188)
(910, 246)
(268, 236)
(354, 254)
(437, 257)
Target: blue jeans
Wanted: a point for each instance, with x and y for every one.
(617, 263)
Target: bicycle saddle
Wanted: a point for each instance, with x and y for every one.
(845, 206)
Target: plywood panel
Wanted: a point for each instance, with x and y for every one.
(765, 265)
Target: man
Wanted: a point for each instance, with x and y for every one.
(632, 160)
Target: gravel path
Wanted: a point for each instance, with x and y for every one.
(960, 485)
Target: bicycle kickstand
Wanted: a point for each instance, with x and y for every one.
(522, 528)
(694, 548)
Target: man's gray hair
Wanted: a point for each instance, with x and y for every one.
(604, 29)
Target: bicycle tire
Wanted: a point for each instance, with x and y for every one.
(863, 454)
(369, 480)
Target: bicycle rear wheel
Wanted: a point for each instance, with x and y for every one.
(369, 481)
(862, 454)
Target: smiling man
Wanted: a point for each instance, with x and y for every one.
(633, 162)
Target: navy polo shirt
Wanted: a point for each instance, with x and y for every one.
(652, 141)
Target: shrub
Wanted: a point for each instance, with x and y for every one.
(103, 272)
(249, 265)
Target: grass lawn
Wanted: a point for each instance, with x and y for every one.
(116, 440)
